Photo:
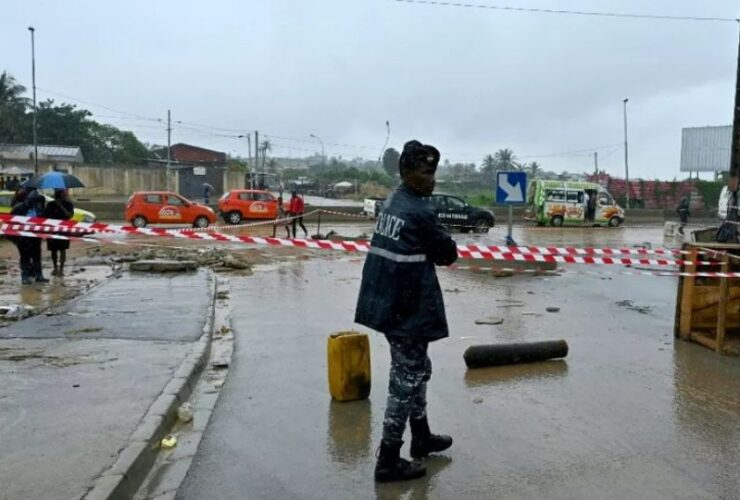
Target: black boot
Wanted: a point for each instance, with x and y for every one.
(423, 442)
(391, 467)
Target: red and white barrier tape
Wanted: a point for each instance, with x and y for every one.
(346, 214)
(231, 227)
(561, 271)
(560, 255)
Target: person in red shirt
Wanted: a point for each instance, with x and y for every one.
(296, 209)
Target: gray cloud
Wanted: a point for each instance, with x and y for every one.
(467, 80)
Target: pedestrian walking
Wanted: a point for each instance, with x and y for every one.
(400, 297)
(207, 190)
(282, 215)
(29, 249)
(296, 209)
(684, 211)
(59, 208)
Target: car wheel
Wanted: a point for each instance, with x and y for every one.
(557, 221)
(201, 222)
(234, 217)
(481, 226)
(139, 221)
(615, 222)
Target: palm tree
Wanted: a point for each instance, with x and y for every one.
(534, 169)
(489, 164)
(488, 168)
(265, 147)
(12, 108)
(505, 159)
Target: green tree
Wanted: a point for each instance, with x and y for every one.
(391, 157)
(265, 148)
(107, 144)
(505, 159)
(488, 168)
(533, 169)
(13, 108)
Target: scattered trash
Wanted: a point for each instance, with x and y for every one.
(232, 262)
(552, 309)
(16, 312)
(185, 413)
(478, 400)
(75, 385)
(222, 295)
(453, 290)
(631, 306)
(169, 442)
(492, 320)
(224, 330)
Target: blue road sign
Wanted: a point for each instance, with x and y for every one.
(511, 188)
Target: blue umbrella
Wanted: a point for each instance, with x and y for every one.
(54, 180)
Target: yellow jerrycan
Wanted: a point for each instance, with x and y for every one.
(349, 366)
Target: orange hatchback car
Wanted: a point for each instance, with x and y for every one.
(163, 207)
(239, 204)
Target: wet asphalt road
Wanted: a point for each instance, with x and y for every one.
(629, 413)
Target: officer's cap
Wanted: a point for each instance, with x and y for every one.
(416, 154)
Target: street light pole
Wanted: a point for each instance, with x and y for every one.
(323, 158)
(626, 158)
(33, 81)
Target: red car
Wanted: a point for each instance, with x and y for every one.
(239, 204)
(163, 207)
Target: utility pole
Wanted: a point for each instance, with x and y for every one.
(169, 138)
(626, 159)
(33, 80)
(596, 163)
(735, 150)
(249, 154)
(256, 153)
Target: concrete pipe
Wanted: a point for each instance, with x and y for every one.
(479, 356)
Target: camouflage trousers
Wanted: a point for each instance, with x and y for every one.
(411, 369)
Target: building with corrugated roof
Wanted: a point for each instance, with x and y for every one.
(20, 156)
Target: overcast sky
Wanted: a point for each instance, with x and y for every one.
(469, 81)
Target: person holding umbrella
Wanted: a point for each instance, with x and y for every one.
(29, 249)
(59, 208)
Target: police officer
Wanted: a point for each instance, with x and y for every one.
(401, 298)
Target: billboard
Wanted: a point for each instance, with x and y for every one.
(706, 149)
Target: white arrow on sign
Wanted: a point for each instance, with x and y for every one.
(513, 192)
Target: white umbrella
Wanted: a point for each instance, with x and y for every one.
(343, 184)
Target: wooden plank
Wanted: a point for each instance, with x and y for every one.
(687, 299)
(709, 296)
(707, 320)
(722, 313)
(703, 339)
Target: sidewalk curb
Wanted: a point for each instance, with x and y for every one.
(122, 480)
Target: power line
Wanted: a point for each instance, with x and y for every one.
(576, 152)
(89, 103)
(530, 10)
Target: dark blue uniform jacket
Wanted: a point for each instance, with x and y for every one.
(400, 293)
